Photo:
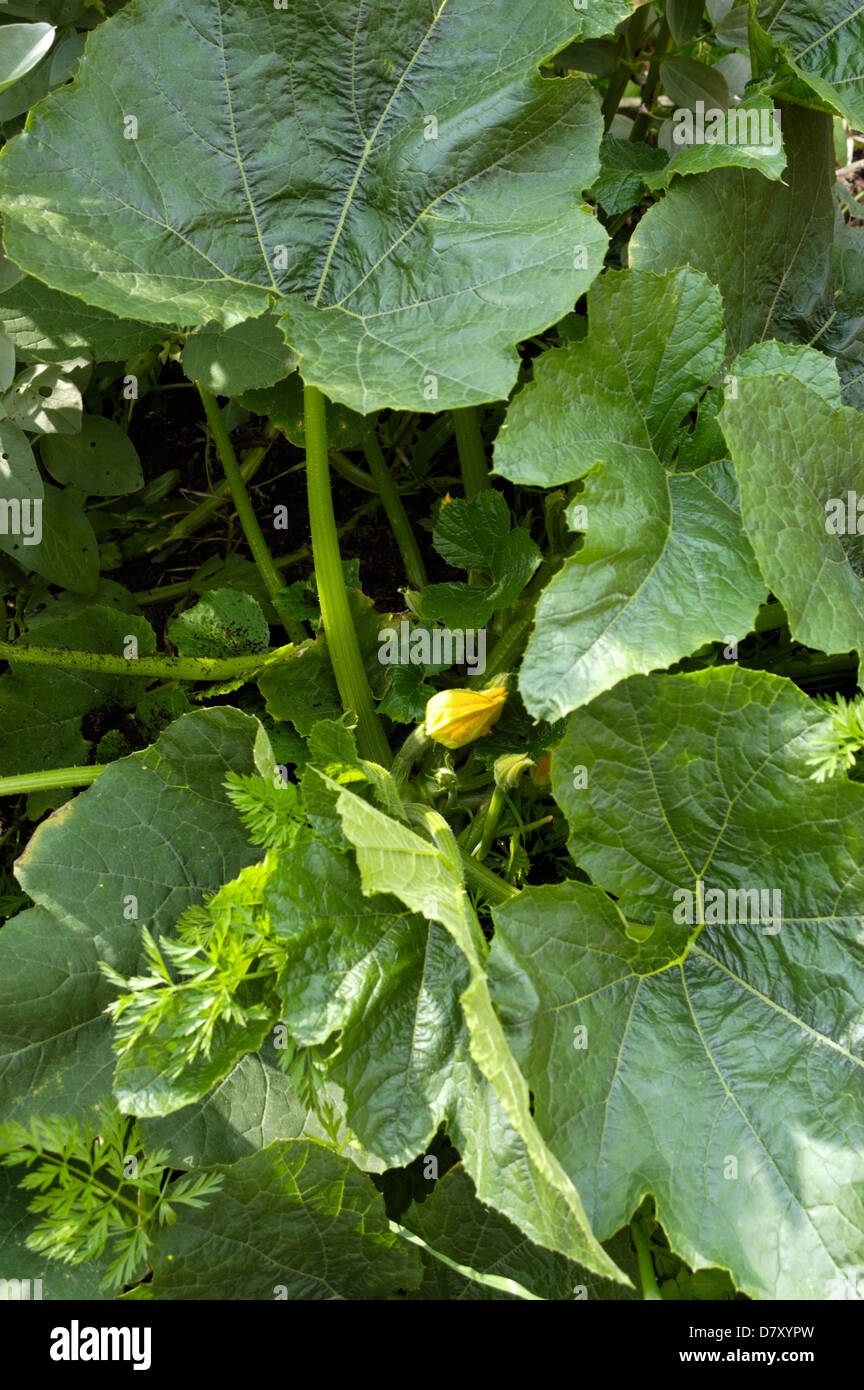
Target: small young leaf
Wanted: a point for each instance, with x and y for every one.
(683, 17)
(687, 81)
(100, 459)
(225, 622)
(229, 361)
(24, 45)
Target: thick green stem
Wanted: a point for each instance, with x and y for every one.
(650, 1291)
(184, 668)
(248, 520)
(416, 744)
(396, 514)
(506, 652)
(351, 472)
(50, 780)
(472, 450)
(339, 628)
(490, 822)
(490, 885)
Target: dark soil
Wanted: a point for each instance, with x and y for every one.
(168, 430)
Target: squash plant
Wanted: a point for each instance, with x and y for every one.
(532, 971)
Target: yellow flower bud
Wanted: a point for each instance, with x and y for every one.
(457, 717)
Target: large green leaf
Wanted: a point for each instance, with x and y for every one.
(476, 1253)
(397, 176)
(822, 41)
(427, 878)
(246, 1110)
(389, 980)
(154, 835)
(654, 579)
(767, 245)
(654, 342)
(48, 326)
(664, 569)
(725, 1076)
(294, 1221)
(794, 454)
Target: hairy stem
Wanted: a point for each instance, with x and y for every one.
(490, 822)
(396, 514)
(50, 780)
(248, 520)
(352, 474)
(472, 450)
(485, 882)
(339, 628)
(184, 668)
(507, 650)
(416, 744)
(650, 1291)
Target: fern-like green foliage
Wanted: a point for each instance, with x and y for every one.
(219, 977)
(272, 812)
(842, 738)
(97, 1189)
